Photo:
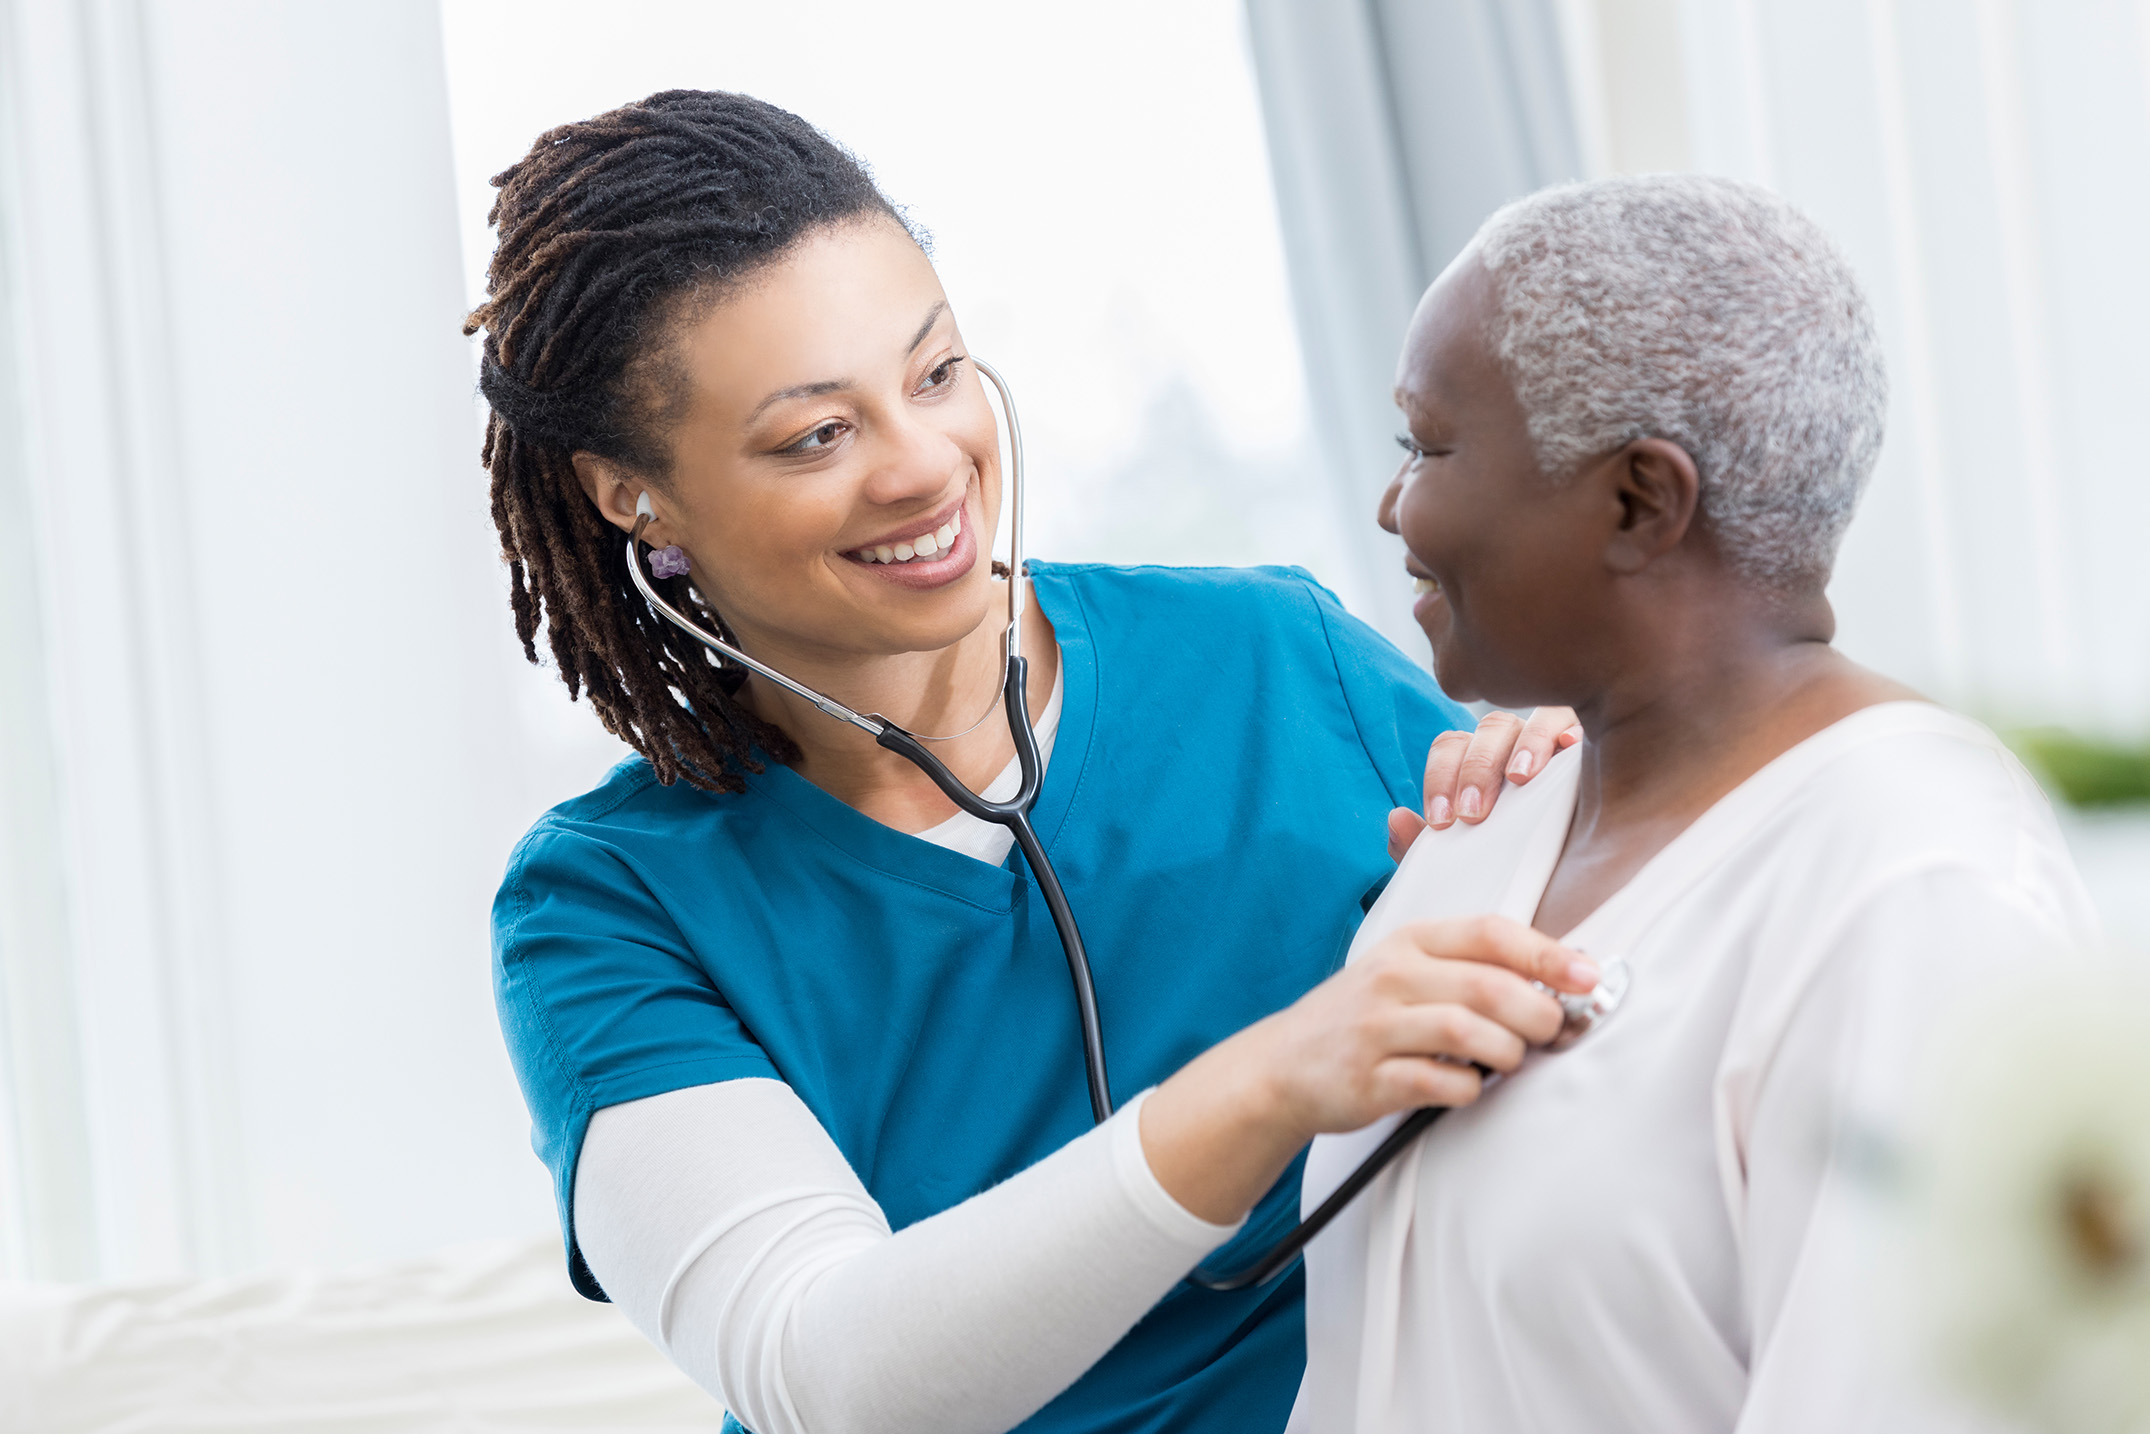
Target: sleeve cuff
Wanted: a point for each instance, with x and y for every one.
(1165, 1214)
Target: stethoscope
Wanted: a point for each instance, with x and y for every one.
(1580, 1012)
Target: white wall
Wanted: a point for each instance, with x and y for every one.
(1987, 165)
(283, 766)
(265, 738)
(1096, 186)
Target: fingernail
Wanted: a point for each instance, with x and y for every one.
(1583, 973)
(1438, 814)
(1520, 767)
(1469, 803)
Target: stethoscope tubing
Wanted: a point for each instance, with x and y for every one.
(1014, 814)
(1279, 1257)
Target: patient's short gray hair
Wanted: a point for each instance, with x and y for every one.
(1709, 313)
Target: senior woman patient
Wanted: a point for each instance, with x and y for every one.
(1640, 413)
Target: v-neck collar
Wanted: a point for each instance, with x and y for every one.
(905, 856)
(1617, 921)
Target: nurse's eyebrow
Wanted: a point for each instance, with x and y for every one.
(802, 390)
(933, 316)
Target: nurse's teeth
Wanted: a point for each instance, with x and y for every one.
(925, 545)
(1424, 585)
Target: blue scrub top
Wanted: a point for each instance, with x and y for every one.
(1230, 743)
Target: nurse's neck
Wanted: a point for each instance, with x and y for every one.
(933, 693)
(1710, 676)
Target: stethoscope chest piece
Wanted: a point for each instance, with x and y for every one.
(1580, 1015)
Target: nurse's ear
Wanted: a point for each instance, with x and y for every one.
(616, 490)
(1654, 491)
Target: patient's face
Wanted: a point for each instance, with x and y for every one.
(1515, 555)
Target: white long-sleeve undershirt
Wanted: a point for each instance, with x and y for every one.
(727, 1225)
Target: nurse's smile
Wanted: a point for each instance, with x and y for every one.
(927, 552)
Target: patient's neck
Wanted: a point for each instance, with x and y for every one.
(1715, 679)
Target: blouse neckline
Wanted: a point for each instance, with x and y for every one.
(1707, 841)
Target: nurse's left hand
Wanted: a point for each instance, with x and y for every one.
(1465, 771)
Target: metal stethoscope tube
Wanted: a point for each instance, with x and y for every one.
(1014, 814)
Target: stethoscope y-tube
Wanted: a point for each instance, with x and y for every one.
(1014, 814)
(1581, 1012)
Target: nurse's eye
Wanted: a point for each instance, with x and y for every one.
(941, 375)
(818, 440)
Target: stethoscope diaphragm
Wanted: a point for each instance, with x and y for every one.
(1580, 1015)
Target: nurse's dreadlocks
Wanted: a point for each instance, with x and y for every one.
(610, 230)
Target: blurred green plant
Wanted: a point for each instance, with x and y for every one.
(2086, 771)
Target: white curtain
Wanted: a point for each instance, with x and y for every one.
(1394, 127)
(258, 764)
(1985, 162)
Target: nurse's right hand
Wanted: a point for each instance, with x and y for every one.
(1400, 1027)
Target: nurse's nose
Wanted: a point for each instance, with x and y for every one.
(912, 461)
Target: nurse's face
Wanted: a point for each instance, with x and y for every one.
(1508, 560)
(835, 472)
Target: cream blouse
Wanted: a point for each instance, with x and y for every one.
(1669, 1228)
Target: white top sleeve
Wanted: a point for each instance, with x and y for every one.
(727, 1225)
(1832, 1100)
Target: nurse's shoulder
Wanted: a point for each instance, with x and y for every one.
(1207, 619)
(1129, 600)
(627, 854)
(1262, 665)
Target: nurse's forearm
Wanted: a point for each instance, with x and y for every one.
(727, 1225)
(1219, 1133)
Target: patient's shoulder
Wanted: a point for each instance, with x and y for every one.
(1910, 784)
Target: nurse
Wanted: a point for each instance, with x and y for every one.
(796, 1037)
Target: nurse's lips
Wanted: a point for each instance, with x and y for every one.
(925, 553)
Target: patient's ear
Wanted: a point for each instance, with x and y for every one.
(1658, 491)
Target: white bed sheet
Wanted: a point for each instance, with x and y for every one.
(481, 1338)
